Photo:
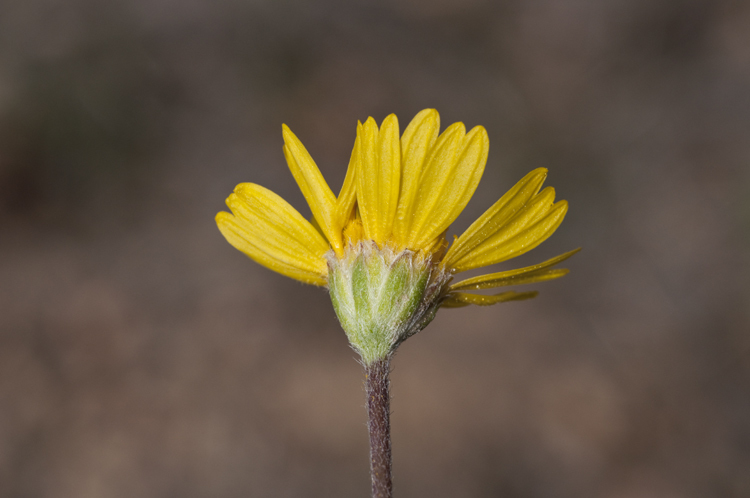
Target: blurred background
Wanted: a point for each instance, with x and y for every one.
(142, 356)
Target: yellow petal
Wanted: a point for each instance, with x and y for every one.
(451, 176)
(348, 194)
(236, 234)
(273, 233)
(496, 216)
(460, 299)
(378, 177)
(527, 230)
(531, 274)
(416, 142)
(315, 225)
(441, 156)
(313, 186)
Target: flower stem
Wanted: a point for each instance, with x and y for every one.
(379, 425)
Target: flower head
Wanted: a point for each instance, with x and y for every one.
(380, 245)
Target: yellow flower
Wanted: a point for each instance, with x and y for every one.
(398, 199)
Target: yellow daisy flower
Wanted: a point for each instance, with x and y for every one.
(380, 245)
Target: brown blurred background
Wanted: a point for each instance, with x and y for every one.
(142, 356)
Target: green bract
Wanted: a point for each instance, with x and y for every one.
(382, 297)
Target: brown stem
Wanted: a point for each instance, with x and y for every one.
(379, 425)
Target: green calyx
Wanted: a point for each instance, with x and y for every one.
(382, 297)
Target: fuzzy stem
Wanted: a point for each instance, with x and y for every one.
(379, 425)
